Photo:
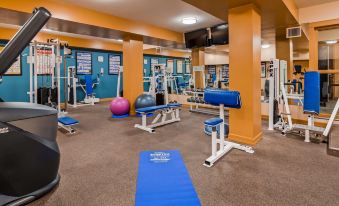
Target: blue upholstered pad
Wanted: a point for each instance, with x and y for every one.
(68, 121)
(151, 109)
(228, 98)
(213, 121)
(174, 105)
(312, 93)
(89, 83)
(163, 180)
(155, 108)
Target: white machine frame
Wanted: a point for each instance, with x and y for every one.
(161, 73)
(277, 75)
(224, 145)
(310, 127)
(160, 119)
(56, 60)
(120, 75)
(33, 59)
(73, 82)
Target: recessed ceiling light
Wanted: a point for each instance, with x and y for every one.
(331, 41)
(265, 46)
(189, 20)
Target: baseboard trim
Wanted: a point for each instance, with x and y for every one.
(244, 139)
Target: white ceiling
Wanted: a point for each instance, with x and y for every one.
(164, 13)
(307, 3)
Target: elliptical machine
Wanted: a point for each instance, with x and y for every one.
(29, 153)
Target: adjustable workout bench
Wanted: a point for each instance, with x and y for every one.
(66, 123)
(161, 118)
(222, 98)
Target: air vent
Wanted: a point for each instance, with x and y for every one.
(293, 32)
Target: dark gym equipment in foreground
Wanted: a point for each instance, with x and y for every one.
(29, 153)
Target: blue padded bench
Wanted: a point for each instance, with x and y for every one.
(174, 105)
(66, 123)
(151, 109)
(159, 107)
(217, 127)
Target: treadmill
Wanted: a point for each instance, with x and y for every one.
(29, 153)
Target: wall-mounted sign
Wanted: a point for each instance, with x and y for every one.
(15, 69)
(83, 63)
(154, 61)
(263, 70)
(225, 71)
(180, 66)
(114, 64)
(170, 65)
(211, 69)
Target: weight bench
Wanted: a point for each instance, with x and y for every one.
(161, 118)
(222, 98)
(66, 123)
(311, 105)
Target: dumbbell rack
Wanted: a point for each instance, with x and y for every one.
(195, 106)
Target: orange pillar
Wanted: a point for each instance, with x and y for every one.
(313, 49)
(245, 54)
(198, 59)
(133, 70)
(284, 51)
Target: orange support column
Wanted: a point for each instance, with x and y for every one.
(245, 54)
(198, 59)
(133, 71)
(313, 49)
(284, 51)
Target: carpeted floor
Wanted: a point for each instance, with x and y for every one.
(99, 165)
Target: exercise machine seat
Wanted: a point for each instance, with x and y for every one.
(228, 98)
(312, 93)
(213, 122)
(68, 121)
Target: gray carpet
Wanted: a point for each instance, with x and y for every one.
(99, 165)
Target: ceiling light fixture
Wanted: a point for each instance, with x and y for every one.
(265, 46)
(331, 41)
(189, 20)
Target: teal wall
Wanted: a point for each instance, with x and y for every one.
(108, 83)
(15, 88)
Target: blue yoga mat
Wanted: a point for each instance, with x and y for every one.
(163, 180)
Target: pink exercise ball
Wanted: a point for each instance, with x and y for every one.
(119, 106)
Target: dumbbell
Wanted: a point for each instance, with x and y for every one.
(197, 100)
